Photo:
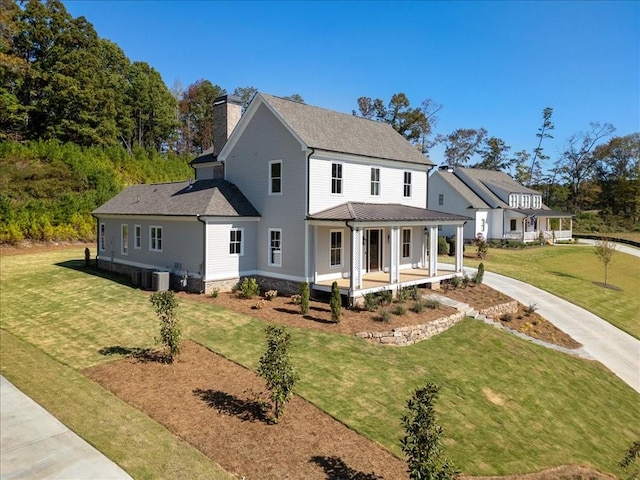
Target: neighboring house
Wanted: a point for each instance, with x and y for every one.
(501, 208)
(295, 193)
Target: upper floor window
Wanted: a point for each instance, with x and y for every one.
(275, 247)
(103, 236)
(124, 239)
(275, 177)
(137, 237)
(155, 239)
(407, 184)
(336, 178)
(406, 242)
(526, 201)
(441, 199)
(375, 181)
(513, 200)
(537, 201)
(336, 248)
(235, 241)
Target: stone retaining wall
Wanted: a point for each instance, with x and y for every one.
(404, 336)
(498, 310)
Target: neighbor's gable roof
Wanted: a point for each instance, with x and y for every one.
(491, 186)
(328, 130)
(458, 185)
(383, 212)
(204, 197)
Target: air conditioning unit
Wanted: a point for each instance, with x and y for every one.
(160, 281)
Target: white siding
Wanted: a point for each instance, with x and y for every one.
(222, 265)
(356, 185)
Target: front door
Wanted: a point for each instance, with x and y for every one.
(374, 251)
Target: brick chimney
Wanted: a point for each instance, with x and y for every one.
(227, 110)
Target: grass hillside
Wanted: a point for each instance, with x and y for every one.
(48, 189)
(507, 406)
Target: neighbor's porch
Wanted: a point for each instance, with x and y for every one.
(531, 227)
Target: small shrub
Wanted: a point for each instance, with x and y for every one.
(336, 303)
(249, 288)
(270, 295)
(455, 282)
(165, 306)
(479, 274)
(214, 293)
(442, 246)
(296, 299)
(407, 293)
(482, 247)
(260, 305)
(386, 297)
(432, 303)
(400, 309)
(452, 247)
(370, 302)
(531, 308)
(466, 280)
(385, 315)
(506, 317)
(418, 306)
(304, 298)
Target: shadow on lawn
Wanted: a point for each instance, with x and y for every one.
(245, 410)
(143, 355)
(80, 266)
(336, 469)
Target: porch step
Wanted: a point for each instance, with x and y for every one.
(460, 306)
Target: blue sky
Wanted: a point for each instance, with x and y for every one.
(491, 64)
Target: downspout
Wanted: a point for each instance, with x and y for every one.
(204, 252)
(306, 226)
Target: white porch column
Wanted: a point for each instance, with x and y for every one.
(459, 247)
(315, 254)
(394, 267)
(356, 259)
(433, 250)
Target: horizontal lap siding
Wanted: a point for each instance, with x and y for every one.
(323, 259)
(221, 265)
(247, 165)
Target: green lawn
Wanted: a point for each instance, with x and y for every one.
(569, 271)
(507, 406)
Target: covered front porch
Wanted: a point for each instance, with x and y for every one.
(380, 247)
(538, 225)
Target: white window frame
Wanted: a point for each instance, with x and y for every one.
(271, 250)
(406, 190)
(234, 241)
(137, 237)
(272, 178)
(537, 202)
(404, 244)
(513, 200)
(374, 190)
(337, 180)
(513, 223)
(155, 241)
(124, 239)
(526, 201)
(103, 237)
(332, 248)
(483, 224)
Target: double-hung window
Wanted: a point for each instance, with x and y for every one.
(275, 247)
(137, 237)
(124, 239)
(235, 241)
(103, 237)
(537, 201)
(407, 184)
(275, 177)
(155, 239)
(406, 242)
(526, 201)
(336, 178)
(513, 200)
(336, 248)
(375, 181)
(441, 199)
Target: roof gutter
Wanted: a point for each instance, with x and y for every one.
(306, 229)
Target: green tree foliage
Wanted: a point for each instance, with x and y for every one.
(413, 123)
(304, 298)
(196, 115)
(422, 443)
(276, 369)
(336, 303)
(538, 153)
(617, 173)
(461, 145)
(479, 274)
(604, 250)
(166, 306)
(246, 94)
(48, 189)
(494, 155)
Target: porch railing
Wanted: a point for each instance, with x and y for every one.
(549, 235)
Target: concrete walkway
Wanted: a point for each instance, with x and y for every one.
(35, 445)
(617, 350)
(620, 247)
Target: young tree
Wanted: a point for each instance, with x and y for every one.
(276, 369)
(604, 251)
(538, 152)
(422, 443)
(304, 298)
(336, 303)
(166, 305)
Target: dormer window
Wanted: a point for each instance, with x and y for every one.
(537, 201)
(513, 200)
(526, 201)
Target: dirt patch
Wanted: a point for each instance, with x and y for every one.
(493, 397)
(212, 403)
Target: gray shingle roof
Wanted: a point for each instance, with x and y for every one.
(491, 185)
(459, 186)
(377, 212)
(339, 132)
(204, 197)
(205, 157)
